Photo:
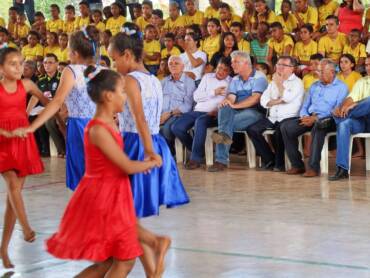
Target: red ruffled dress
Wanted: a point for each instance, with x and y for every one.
(19, 154)
(99, 221)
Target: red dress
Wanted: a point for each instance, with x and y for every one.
(99, 221)
(349, 19)
(19, 154)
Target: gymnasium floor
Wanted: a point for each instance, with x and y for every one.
(240, 223)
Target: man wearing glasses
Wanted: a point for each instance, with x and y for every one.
(283, 99)
(315, 115)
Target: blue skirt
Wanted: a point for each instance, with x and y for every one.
(75, 156)
(162, 186)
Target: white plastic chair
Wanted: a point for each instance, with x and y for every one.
(367, 148)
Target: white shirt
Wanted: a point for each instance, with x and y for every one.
(198, 71)
(368, 47)
(292, 96)
(205, 96)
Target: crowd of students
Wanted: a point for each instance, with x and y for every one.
(306, 32)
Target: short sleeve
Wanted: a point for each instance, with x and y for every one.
(232, 87)
(260, 85)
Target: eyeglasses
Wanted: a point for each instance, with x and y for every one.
(49, 63)
(285, 65)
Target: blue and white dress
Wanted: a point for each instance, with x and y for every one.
(80, 111)
(163, 185)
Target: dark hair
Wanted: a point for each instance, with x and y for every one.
(358, 32)
(34, 33)
(316, 56)
(276, 24)
(265, 14)
(195, 37)
(308, 27)
(196, 29)
(106, 60)
(55, 35)
(222, 43)
(39, 14)
(287, 2)
(134, 43)
(64, 64)
(225, 61)
(335, 18)
(264, 23)
(214, 21)
(237, 24)
(148, 3)
(4, 30)
(52, 55)
(349, 57)
(170, 35)
(84, 3)
(55, 6)
(5, 52)
(14, 9)
(224, 6)
(63, 35)
(85, 43)
(292, 60)
(136, 6)
(158, 13)
(105, 80)
(108, 32)
(265, 67)
(149, 26)
(70, 8)
(98, 11)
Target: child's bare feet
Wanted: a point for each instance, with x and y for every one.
(162, 247)
(6, 260)
(29, 236)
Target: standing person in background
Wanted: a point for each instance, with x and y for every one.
(70, 19)
(39, 25)
(144, 20)
(27, 6)
(350, 14)
(55, 24)
(84, 19)
(115, 23)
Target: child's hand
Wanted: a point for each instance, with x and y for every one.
(21, 132)
(6, 134)
(157, 159)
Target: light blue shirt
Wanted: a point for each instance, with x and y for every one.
(323, 99)
(178, 94)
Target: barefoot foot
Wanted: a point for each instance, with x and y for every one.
(6, 261)
(163, 245)
(29, 236)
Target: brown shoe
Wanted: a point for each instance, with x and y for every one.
(191, 165)
(217, 167)
(295, 171)
(310, 173)
(221, 138)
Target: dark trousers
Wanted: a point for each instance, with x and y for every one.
(291, 130)
(58, 138)
(263, 149)
(42, 138)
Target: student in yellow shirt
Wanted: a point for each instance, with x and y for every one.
(347, 74)
(193, 16)
(356, 49)
(104, 42)
(212, 10)
(12, 20)
(2, 22)
(55, 24)
(212, 43)
(5, 39)
(40, 24)
(33, 50)
(305, 14)
(62, 51)
(237, 29)
(279, 43)
(227, 17)
(306, 47)
(262, 13)
(313, 75)
(70, 20)
(327, 7)
(97, 20)
(83, 20)
(52, 43)
(22, 29)
(286, 18)
(174, 22)
(152, 50)
(144, 20)
(137, 11)
(117, 20)
(158, 22)
(331, 45)
(170, 48)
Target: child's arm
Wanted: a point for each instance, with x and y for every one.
(100, 137)
(5, 133)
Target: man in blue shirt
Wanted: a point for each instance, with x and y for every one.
(178, 89)
(315, 115)
(240, 108)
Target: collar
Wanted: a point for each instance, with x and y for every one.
(252, 75)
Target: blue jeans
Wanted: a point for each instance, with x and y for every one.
(230, 120)
(28, 7)
(200, 121)
(181, 4)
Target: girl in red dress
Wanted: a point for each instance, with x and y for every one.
(99, 223)
(19, 157)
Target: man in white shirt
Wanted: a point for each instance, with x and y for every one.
(209, 94)
(283, 98)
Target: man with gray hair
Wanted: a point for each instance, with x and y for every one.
(178, 89)
(240, 108)
(323, 97)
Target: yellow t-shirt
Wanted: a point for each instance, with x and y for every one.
(13, 45)
(211, 13)
(244, 45)
(332, 48)
(81, 22)
(31, 53)
(290, 24)
(279, 47)
(170, 24)
(54, 25)
(50, 49)
(141, 22)
(308, 80)
(174, 52)
(22, 31)
(69, 26)
(234, 18)
(303, 52)
(361, 89)
(311, 16)
(100, 26)
(197, 18)
(2, 22)
(358, 52)
(350, 80)
(151, 48)
(325, 10)
(62, 54)
(211, 45)
(11, 28)
(115, 24)
(103, 51)
(270, 18)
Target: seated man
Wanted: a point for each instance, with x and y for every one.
(240, 108)
(283, 97)
(210, 93)
(315, 116)
(178, 89)
(352, 117)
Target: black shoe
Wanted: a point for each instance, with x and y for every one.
(266, 167)
(339, 175)
(279, 169)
